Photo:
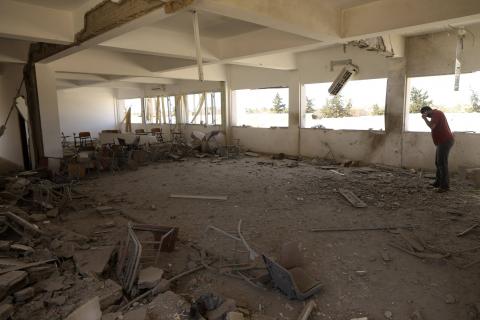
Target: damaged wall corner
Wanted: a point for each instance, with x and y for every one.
(49, 116)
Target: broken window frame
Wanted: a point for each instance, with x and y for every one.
(449, 81)
(122, 109)
(326, 85)
(266, 110)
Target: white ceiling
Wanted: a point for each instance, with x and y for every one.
(56, 4)
(211, 25)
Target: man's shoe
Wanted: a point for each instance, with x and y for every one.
(435, 184)
(442, 190)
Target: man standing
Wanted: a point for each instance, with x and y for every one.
(443, 139)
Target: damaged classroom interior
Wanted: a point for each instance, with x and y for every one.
(239, 160)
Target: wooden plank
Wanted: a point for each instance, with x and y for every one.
(307, 310)
(464, 232)
(385, 228)
(188, 196)
(26, 266)
(352, 198)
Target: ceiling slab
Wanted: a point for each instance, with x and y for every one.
(56, 4)
(26, 22)
(344, 4)
(308, 18)
(211, 25)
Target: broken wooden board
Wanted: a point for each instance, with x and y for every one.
(352, 198)
(421, 255)
(251, 154)
(337, 172)
(385, 228)
(464, 232)
(187, 196)
(26, 266)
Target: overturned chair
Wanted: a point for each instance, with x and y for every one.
(289, 276)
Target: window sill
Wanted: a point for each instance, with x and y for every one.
(348, 130)
(251, 127)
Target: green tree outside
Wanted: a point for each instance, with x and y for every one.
(377, 111)
(278, 105)
(309, 106)
(418, 99)
(475, 101)
(336, 107)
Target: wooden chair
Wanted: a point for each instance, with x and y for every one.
(157, 132)
(85, 140)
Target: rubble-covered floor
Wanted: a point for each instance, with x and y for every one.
(278, 201)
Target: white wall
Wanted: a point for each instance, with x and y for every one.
(86, 109)
(314, 66)
(10, 143)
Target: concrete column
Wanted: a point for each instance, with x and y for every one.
(395, 111)
(50, 120)
(295, 107)
(227, 110)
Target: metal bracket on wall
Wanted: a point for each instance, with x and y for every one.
(339, 63)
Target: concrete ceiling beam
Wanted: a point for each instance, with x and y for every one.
(407, 16)
(109, 20)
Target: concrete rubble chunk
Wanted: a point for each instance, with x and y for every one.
(22, 248)
(149, 277)
(36, 274)
(167, 306)
(137, 314)
(450, 299)
(65, 250)
(234, 316)
(110, 294)
(38, 217)
(5, 245)
(8, 262)
(57, 301)
(89, 310)
(12, 281)
(24, 295)
(52, 284)
(6, 311)
(93, 260)
(53, 213)
(417, 315)
(112, 316)
(218, 314)
(106, 210)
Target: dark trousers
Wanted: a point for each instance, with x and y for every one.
(441, 162)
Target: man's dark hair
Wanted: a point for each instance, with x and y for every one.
(425, 109)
